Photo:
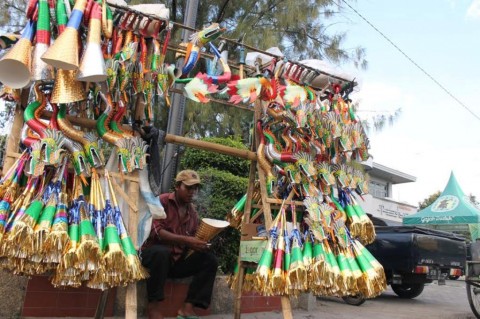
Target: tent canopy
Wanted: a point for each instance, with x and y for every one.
(451, 207)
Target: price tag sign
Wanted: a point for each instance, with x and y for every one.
(251, 250)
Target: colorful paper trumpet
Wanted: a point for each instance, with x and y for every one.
(16, 64)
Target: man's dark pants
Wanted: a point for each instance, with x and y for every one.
(201, 265)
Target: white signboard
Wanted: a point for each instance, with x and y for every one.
(386, 208)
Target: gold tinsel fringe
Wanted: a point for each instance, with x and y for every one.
(248, 283)
(89, 256)
(116, 267)
(277, 282)
(136, 270)
(19, 241)
(55, 244)
(297, 279)
(98, 280)
(262, 277)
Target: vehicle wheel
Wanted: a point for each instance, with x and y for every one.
(408, 291)
(356, 300)
(473, 295)
(453, 277)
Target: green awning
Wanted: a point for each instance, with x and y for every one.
(451, 207)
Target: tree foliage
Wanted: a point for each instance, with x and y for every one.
(3, 145)
(12, 16)
(201, 159)
(300, 28)
(429, 200)
(214, 119)
(432, 198)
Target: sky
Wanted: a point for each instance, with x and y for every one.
(434, 135)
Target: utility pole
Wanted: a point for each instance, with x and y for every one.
(177, 108)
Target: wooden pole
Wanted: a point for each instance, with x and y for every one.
(245, 219)
(102, 302)
(13, 140)
(131, 296)
(208, 146)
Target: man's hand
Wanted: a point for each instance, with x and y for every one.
(196, 244)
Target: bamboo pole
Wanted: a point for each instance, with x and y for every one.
(208, 146)
(13, 140)
(246, 218)
(131, 296)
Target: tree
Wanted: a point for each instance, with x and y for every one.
(429, 200)
(473, 200)
(377, 121)
(12, 18)
(298, 27)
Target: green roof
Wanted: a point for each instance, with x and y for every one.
(451, 207)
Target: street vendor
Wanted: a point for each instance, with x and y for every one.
(167, 251)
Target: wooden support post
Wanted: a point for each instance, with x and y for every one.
(13, 140)
(131, 296)
(245, 219)
(265, 208)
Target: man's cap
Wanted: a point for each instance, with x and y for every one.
(188, 177)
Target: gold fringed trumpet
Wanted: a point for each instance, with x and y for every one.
(264, 268)
(99, 278)
(278, 280)
(297, 274)
(19, 241)
(58, 238)
(88, 252)
(42, 228)
(318, 275)
(347, 279)
(115, 260)
(381, 278)
(367, 235)
(136, 270)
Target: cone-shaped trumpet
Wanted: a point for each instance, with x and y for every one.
(92, 68)
(66, 88)
(63, 54)
(41, 70)
(15, 65)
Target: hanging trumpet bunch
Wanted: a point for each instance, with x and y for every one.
(323, 258)
(79, 236)
(311, 142)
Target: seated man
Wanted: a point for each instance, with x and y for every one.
(165, 251)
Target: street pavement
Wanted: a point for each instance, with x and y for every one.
(442, 302)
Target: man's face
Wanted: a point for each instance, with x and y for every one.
(187, 193)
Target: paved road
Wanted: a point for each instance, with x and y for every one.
(443, 302)
(436, 302)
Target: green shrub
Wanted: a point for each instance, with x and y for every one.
(223, 184)
(219, 193)
(200, 159)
